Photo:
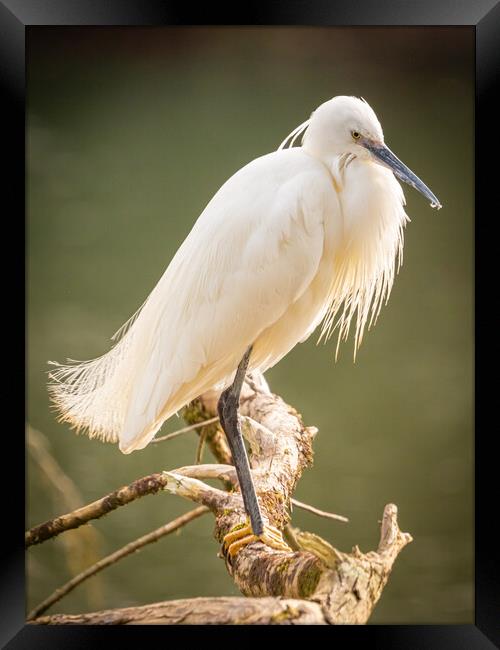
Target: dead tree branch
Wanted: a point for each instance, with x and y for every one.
(316, 581)
(151, 484)
(200, 611)
(338, 588)
(347, 586)
(147, 485)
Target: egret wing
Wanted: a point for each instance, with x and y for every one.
(251, 254)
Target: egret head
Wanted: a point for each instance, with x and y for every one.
(348, 125)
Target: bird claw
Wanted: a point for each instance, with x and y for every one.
(236, 540)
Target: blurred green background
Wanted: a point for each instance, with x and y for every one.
(130, 132)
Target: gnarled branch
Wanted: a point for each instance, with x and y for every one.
(201, 611)
(346, 586)
(317, 581)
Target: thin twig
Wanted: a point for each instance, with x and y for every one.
(191, 427)
(137, 544)
(316, 511)
(147, 485)
(150, 484)
(201, 447)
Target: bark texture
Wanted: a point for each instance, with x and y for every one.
(200, 611)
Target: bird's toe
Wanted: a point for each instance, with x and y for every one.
(238, 539)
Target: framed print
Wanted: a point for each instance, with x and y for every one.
(144, 151)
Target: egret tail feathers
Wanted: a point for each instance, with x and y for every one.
(92, 396)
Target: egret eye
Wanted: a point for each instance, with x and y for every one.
(355, 135)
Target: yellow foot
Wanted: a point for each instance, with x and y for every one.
(236, 540)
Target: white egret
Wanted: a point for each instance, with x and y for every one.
(301, 236)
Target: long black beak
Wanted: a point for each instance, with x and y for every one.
(390, 160)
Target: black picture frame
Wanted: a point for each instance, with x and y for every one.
(16, 16)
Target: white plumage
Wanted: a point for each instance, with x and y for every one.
(297, 237)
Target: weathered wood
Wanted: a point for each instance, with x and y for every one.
(347, 586)
(316, 582)
(201, 611)
(338, 588)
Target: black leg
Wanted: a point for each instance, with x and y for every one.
(228, 414)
